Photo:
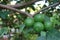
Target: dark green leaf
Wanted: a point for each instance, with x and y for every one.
(3, 31)
(43, 36)
(21, 28)
(53, 35)
(4, 14)
(46, 18)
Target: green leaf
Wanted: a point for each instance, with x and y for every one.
(21, 28)
(4, 14)
(53, 35)
(1, 34)
(46, 18)
(43, 36)
(29, 30)
(3, 31)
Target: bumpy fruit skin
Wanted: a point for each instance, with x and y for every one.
(29, 22)
(48, 26)
(38, 27)
(39, 17)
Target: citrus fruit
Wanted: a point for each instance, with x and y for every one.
(29, 22)
(48, 25)
(39, 17)
(38, 27)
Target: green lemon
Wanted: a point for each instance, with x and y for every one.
(38, 27)
(53, 20)
(48, 25)
(29, 22)
(39, 17)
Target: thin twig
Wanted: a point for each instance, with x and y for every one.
(16, 10)
(19, 6)
(43, 10)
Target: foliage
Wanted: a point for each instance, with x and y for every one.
(26, 21)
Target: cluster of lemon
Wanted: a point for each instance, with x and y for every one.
(38, 23)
